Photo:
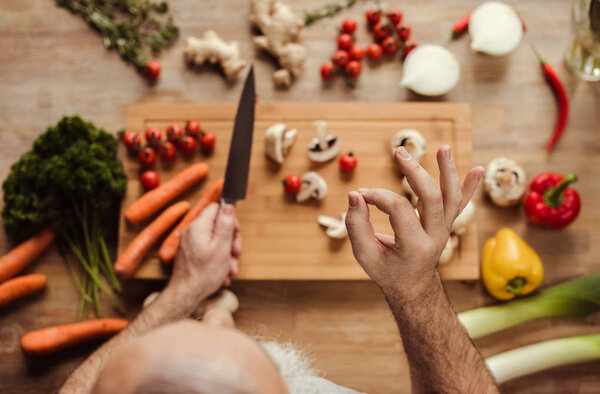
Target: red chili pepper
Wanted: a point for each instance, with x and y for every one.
(561, 95)
(551, 202)
(460, 27)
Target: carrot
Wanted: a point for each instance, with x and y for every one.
(133, 255)
(20, 287)
(14, 261)
(155, 199)
(168, 249)
(51, 339)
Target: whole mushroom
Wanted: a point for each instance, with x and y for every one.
(448, 251)
(313, 185)
(323, 147)
(459, 227)
(412, 140)
(336, 228)
(278, 141)
(504, 182)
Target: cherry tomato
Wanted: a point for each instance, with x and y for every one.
(341, 58)
(152, 70)
(389, 45)
(167, 150)
(187, 144)
(353, 69)
(409, 45)
(374, 51)
(394, 15)
(327, 71)
(150, 179)
(373, 15)
(356, 53)
(174, 132)
(207, 140)
(147, 156)
(292, 184)
(132, 140)
(381, 30)
(348, 162)
(344, 42)
(193, 128)
(153, 135)
(403, 31)
(349, 26)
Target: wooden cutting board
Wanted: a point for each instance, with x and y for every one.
(281, 238)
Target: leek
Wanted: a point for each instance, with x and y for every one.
(578, 297)
(544, 355)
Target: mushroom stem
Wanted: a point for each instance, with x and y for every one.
(322, 134)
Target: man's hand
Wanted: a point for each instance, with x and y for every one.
(406, 261)
(208, 252)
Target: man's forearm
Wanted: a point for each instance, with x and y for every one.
(169, 307)
(441, 356)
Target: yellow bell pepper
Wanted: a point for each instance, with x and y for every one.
(509, 266)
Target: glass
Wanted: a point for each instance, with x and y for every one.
(583, 53)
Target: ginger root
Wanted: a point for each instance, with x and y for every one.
(212, 49)
(280, 29)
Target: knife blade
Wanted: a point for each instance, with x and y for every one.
(238, 162)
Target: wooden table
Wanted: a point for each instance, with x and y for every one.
(52, 64)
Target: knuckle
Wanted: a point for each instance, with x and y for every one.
(400, 203)
(436, 198)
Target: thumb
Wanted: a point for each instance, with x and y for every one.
(360, 229)
(225, 225)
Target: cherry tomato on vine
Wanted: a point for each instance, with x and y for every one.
(327, 71)
(356, 53)
(389, 46)
(193, 128)
(147, 156)
(381, 30)
(373, 15)
(153, 135)
(150, 179)
(152, 70)
(344, 41)
(374, 51)
(292, 184)
(340, 58)
(132, 140)
(207, 140)
(348, 162)
(353, 69)
(167, 151)
(409, 45)
(403, 31)
(349, 26)
(187, 144)
(174, 132)
(394, 15)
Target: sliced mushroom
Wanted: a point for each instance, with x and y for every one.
(412, 140)
(448, 251)
(323, 147)
(505, 182)
(278, 141)
(336, 228)
(409, 192)
(459, 227)
(313, 185)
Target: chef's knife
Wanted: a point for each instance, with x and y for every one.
(238, 163)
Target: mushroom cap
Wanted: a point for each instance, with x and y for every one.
(448, 250)
(336, 228)
(278, 140)
(504, 182)
(412, 140)
(313, 185)
(459, 226)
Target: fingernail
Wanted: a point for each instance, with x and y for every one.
(352, 201)
(227, 209)
(363, 190)
(403, 153)
(447, 153)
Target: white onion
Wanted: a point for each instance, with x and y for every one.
(430, 70)
(495, 28)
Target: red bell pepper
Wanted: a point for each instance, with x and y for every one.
(551, 202)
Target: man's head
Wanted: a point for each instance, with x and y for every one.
(191, 357)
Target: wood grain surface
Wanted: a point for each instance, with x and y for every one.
(52, 64)
(282, 239)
